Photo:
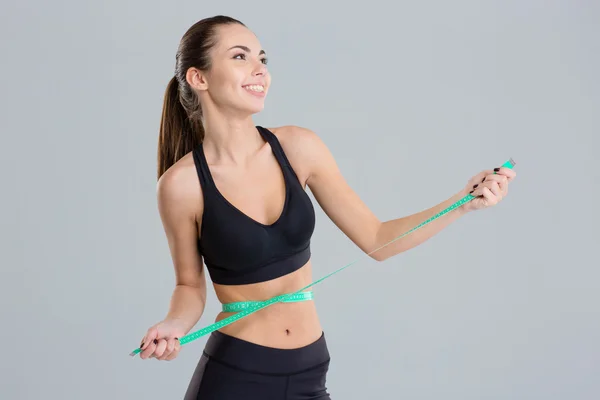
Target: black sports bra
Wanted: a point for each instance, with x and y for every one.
(240, 250)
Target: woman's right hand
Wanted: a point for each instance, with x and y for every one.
(162, 340)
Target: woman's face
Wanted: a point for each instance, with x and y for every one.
(238, 78)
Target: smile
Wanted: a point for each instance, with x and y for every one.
(255, 88)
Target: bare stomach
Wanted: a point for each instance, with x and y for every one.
(280, 325)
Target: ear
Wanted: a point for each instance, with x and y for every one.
(196, 79)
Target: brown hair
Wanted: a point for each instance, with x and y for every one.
(181, 126)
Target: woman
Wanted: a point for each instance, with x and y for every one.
(232, 195)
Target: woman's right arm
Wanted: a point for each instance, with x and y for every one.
(180, 205)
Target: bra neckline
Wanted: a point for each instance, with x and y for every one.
(222, 197)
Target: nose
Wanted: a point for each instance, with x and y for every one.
(260, 68)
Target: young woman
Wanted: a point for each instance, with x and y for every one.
(232, 195)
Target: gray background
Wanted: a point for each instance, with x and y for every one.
(413, 98)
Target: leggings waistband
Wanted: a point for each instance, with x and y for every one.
(241, 354)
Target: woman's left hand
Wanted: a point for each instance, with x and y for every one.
(489, 188)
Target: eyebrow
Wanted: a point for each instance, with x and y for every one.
(246, 49)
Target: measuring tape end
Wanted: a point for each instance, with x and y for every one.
(510, 163)
(133, 353)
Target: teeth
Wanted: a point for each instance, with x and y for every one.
(255, 88)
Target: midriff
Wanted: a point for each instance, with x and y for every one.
(280, 325)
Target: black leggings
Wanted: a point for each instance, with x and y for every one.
(233, 369)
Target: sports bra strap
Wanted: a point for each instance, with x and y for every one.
(275, 145)
(202, 167)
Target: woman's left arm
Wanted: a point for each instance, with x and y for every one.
(350, 214)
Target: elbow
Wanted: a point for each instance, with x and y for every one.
(378, 256)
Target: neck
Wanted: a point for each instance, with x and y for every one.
(229, 138)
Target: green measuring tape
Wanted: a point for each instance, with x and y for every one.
(246, 308)
(243, 305)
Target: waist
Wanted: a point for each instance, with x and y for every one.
(243, 305)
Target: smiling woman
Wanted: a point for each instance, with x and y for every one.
(231, 195)
(230, 198)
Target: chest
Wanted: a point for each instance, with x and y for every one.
(259, 191)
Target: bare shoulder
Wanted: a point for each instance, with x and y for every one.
(296, 136)
(178, 189)
(302, 146)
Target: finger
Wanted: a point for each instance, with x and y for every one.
(496, 183)
(148, 351)
(488, 178)
(508, 172)
(495, 178)
(495, 189)
(491, 185)
(170, 346)
(160, 348)
(173, 355)
(481, 177)
(490, 198)
(476, 189)
(156, 348)
(486, 190)
(151, 334)
(177, 349)
(503, 185)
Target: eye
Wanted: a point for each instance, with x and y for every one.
(242, 56)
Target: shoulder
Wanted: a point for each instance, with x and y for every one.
(304, 149)
(176, 191)
(294, 133)
(298, 141)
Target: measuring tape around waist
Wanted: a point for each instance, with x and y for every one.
(250, 307)
(243, 305)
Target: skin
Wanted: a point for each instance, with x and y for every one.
(248, 175)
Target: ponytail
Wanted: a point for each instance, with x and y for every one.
(181, 128)
(178, 133)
